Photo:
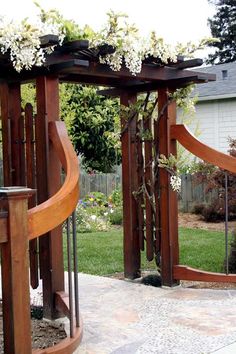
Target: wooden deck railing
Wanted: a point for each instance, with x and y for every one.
(181, 133)
(46, 216)
(18, 225)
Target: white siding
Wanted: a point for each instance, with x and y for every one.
(217, 121)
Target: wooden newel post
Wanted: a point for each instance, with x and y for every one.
(168, 205)
(15, 272)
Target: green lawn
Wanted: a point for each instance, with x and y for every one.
(101, 252)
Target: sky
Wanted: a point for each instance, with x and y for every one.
(174, 20)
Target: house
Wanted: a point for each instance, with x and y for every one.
(216, 106)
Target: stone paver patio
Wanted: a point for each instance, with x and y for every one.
(123, 317)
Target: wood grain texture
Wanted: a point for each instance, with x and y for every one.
(148, 176)
(56, 209)
(15, 116)
(183, 272)
(168, 205)
(181, 133)
(31, 183)
(3, 229)
(6, 137)
(15, 275)
(132, 259)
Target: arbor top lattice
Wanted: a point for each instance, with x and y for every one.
(76, 62)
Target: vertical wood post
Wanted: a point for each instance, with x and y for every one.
(168, 207)
(15, 273)
(6, 137)
(31, 183)
(15, 116)
(48, 183)
(130, 185)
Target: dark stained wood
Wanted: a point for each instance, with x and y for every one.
(147, 123)
(181, 133)
(130, 185)
(48, 40)
(15, 115)
(31, 183)
(62, 303)
(182, 272)
(149, 76)
(74, 46)
(168, 207)
(3, 226)
(140, 177)
(6, 137)
(191, 63)
(22, 150)
(15, 274)
(48, 183)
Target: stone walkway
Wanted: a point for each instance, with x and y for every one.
(122, 317)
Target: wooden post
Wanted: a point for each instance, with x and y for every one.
(48, 183)
(6, 136)
(15, 273)
(168, 206)
(130, 185)
(31, 183)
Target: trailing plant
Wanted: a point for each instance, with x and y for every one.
(22, 40)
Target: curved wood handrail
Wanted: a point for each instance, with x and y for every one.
(181, 133)
(182, 272)
(66, 346)
(54, 211)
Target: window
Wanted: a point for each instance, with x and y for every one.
(224, 74)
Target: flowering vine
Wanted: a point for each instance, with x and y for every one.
(22, 41)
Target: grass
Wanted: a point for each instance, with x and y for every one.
(101, 253)
(202, 249)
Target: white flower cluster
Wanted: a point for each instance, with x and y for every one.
(22, 41)
(131, 49)
(159, 49)
(175, 182)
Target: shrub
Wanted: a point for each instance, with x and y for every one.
(115, 198)
(116, 217)
(214, 178)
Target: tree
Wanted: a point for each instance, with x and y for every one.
(223, 28)
(93, 124)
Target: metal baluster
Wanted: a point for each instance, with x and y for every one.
(226, 224)
(70, 277)
(76, 285)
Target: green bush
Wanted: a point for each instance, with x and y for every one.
(115, 198)
(116, 217)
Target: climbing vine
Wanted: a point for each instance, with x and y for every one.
(22, 41)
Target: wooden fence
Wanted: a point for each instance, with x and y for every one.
(100, 182)
(191, 194)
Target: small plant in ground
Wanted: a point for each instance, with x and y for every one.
(116, 217)
(115, 198)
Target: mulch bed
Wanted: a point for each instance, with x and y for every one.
(44, 334)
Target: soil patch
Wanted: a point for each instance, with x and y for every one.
(194, 221)
(44, 334)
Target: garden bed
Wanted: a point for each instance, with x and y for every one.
(194, 221)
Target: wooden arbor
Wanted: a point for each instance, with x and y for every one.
(35, 147)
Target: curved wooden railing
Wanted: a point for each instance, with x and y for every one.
(54, 211)
(181, 133)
